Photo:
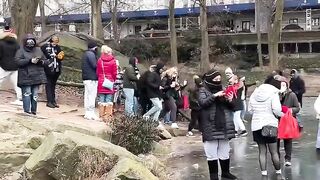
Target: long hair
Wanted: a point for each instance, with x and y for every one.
(170, 72)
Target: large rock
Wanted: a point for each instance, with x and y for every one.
(164, 134)
(129, 169)
(59, 155)
(159, 149)
(154, 165)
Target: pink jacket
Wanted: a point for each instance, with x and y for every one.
(108, 63)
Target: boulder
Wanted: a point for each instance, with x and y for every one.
(35, 141)
(164, 134)
(129, 169)
(60, 156)
(177, 132)
(159, 149)
(154, 165)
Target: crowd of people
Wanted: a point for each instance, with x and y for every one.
(218, 108)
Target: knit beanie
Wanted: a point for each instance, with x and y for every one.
(272, 81)
(210, 75)
(92, 44)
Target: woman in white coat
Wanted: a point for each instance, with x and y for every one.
(317, 108)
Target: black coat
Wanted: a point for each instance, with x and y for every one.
(193, 98)
(130, 78)
(153, 81)
(297, 85)
(29, 73)
(8, 48)
(238, 104)
(51, 52)
(89, 66)
(208, 109)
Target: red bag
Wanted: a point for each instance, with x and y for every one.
(288, 127)
(186, 104)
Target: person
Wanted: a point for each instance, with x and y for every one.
(31, 75)
(216, 124)
(144, 101)
(106, 71)
(265, 107)
(317, 109)
(118, 86)
(90, 80)
(130, 78)
(8, 66)
(169, 83)
(289, 102)
(297, 85)
(194, 104)
(55, 55)
(153, 81)
(239, 106)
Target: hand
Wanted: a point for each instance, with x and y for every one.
(138, 76)
(229, 96)
(219, 94)
(161, 88)
(173, 84)
(285, 109)
(35, 60)
(185, 82)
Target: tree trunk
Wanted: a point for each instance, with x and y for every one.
(114, 19)
(274, 36)
(43, 17)
(96, 16)
(258, 30)
(205, 63)
(22, 16)
(173, 34)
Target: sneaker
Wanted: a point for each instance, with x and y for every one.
(243, 133)
(146, 117)
(264, 173)
(50, 105)
(174, 126)
(287, 163)
(17, 103)
(56, 105)
(278, 171)
(190, 133)
(160, 126)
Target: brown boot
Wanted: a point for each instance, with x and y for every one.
(108, 112)
(101, 111)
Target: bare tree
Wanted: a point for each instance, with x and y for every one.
(205, 63)
(43, 16)
(274, 34)
(173, 34)
(258, 31)
(114, 19)
(22, 15)
(96, 19)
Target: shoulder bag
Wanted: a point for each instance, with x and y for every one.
(106, 82)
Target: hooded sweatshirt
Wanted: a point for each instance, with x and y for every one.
(106, 68)
(8, 48)
(265, 107)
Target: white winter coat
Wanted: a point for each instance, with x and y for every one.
(317, 107)
(265, 107)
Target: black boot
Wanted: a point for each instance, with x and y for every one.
(225, 168)
(50, 105)
(213, 169)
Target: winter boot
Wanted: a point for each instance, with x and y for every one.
(101, 111)
(108, 112)
(225, 168)
(213, 169)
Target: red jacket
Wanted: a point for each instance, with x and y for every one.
(110, 72)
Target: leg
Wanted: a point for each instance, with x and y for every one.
(288, 149)
(34, 99)
(135, 106)
(86, 98)
(128, 105)
(55, 79)
(237, 120)
(224, 159)
(109, 98)
(49, 88)
(211, 151)
(263, 156)
(194, 118)
(274, 155)
(173, 109)
(243, 112)
(318, 137)
(26, 98)
(14, 81)
(155, 110)
(91, 99)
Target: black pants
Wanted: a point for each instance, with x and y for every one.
(170, 105)
(287, 148)
(145, 103)
(51, 88)
(299, 96)
(195, 118)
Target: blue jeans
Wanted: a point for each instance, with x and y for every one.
(29, 98)
(105, 98)
(131, 103)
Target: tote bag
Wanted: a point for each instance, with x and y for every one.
(288, 127)
(106, 82)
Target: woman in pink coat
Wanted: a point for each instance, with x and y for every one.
(106, 68)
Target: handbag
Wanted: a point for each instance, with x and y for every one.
(269, 131)
(106, 82)
(288, 127)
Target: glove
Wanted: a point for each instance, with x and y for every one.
(60, 56)
(35, 60)
(138, 76)
(284, 109)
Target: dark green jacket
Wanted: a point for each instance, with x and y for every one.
(130, 78)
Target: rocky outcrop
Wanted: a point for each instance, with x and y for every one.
(164, 134)
(61, 156)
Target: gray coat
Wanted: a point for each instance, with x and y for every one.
(291, 101)
(208, 109)
(29, 73)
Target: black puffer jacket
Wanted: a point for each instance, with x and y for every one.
(208, 104)
(8, 48)
(153, 82)
(51, 52)
(29, 73)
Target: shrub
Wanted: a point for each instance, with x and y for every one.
(134, 133)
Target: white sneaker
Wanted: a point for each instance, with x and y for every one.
(146, 117)
(190, 133)
(278, 171)
(160, 126)
(287, 163)
(17, 102)
(264, 173)
(174, 126)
